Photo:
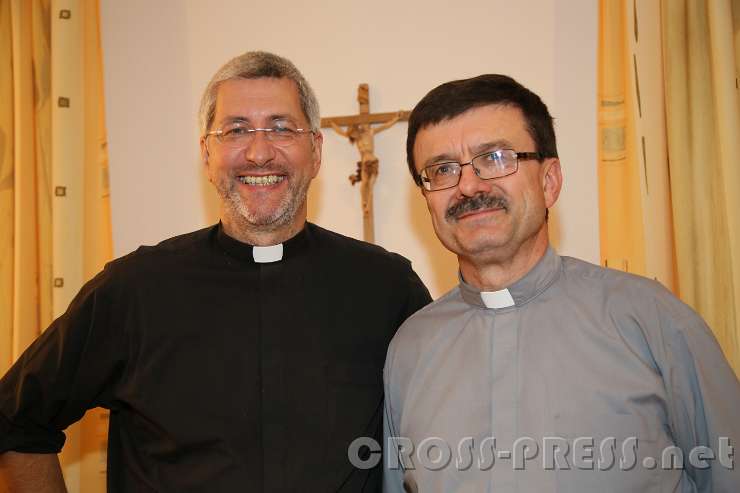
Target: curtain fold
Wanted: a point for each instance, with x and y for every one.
(621, 230)
(25, 252)
(702, 118)
(7, 195)
(98, 239)
(41, 44)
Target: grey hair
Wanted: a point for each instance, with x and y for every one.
(255, 65)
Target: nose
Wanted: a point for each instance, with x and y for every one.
(470, 183)
(259, 150)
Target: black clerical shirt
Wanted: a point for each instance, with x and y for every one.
(221, 374)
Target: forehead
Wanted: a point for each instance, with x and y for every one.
(255, 99)
(471, 132)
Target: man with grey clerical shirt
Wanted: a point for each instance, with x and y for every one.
(540, 373)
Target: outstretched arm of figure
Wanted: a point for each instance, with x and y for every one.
(339, 130)
(388, 124)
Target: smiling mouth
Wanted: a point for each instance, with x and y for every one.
(261, 180)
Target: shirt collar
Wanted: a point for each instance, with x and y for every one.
(249, 253)
(534, 282)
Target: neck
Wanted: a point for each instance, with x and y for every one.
(239, 229)
(499, 270)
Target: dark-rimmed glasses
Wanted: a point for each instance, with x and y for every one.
(487, 166)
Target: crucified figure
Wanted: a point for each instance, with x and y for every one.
(361, 132)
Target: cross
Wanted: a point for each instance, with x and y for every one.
(360, 131)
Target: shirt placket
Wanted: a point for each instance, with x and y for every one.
(504, 396)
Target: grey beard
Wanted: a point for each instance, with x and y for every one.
(474, 203)
(282, 215)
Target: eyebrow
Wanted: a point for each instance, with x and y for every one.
(478, 149)
(272, 118)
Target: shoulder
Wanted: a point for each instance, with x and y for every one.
(422, 334)
(610, 281)
(423, 326)
(181, 244)
(445, 307)
(152, 258)
(373, 271)
(620, 285)
(629, 300)
(346, 249)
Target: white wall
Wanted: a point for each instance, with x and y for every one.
(160, 55)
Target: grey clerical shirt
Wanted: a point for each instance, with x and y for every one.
(587, 379)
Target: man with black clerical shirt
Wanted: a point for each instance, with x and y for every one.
(246, 356)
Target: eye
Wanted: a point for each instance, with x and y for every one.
(494, 157)
(283, 127)
(444, 169)
(235, 130)
(282, 130)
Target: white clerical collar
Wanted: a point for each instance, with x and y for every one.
(497, 299)
(267, 254)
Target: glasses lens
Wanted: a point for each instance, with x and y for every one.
(281, 134)
(495, 164)
(234, 134)
(443, 175)
(238, 134)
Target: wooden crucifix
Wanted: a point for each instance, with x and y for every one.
(360, 131)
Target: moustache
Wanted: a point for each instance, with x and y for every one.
(475, 203)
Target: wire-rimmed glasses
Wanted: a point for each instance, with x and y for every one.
(238, 134)
(487, 166)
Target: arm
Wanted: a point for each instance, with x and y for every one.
(72, 367)
(388, 124)
(31, 473)
(392, 474)
(339, 130)
(704, 397)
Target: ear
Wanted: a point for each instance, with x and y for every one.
(204, 157)
(318, 141)
(203, 151)
(552, 181)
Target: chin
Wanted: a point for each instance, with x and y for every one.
(481, 240)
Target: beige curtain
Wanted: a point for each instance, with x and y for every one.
(54, 196)
(25, 186)
(620, 205)
(636, 230)
(7, 195)
(701, 50)
(669, 151)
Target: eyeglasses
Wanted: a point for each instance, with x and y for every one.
(238, 135)
(487, 166)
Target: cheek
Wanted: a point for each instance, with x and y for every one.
(438, 212)
(532, 203)
(437, 206)
(302, 162)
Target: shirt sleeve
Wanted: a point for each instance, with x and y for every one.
(704, 399)
(392, 470)
(70, 368)
(393, 475)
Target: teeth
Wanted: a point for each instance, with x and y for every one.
(261, 180)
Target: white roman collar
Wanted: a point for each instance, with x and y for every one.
(267, 254)
(497, 299)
